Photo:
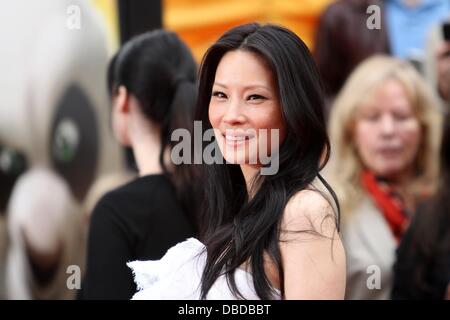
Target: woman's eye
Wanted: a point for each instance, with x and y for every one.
(219, 94)
(256, 97)
(401, 117)
(371, 117)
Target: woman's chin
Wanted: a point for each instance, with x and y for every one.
(238, 161)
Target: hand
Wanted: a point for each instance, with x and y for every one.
(443, 70)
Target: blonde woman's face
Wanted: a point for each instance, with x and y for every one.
(387, 133)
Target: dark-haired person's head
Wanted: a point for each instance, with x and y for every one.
(157, 70)
(152, 85)
(290, 80)
(257, 78)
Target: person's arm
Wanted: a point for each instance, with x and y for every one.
(314, 262)
(109, 248)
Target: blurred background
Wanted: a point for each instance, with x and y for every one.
(57, 151)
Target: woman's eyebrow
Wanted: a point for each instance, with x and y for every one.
(251, 86)
(219, 84)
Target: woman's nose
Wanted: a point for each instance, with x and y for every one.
(387, 125)
(234, 114)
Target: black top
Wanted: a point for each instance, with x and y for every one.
(138, 221)
(422, 269)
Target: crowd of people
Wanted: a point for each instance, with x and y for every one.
(358, 206)
(323, 173)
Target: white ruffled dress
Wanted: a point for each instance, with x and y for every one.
(177, 276)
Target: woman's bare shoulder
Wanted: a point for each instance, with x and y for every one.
(310, 209)
(308, 202)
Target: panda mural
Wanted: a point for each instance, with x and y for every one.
(55, 142)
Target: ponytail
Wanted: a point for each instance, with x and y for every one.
(160, 71)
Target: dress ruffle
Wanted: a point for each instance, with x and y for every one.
(177, 276)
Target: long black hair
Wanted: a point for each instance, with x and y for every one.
(158, 69)
(237, 229)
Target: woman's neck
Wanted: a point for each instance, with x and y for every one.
(401, 184)
(146, 145)
(403, 179)
(409, 199)
(147, 158)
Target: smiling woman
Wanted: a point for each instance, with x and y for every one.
(244, 106)
(272, 236)
(278, 227)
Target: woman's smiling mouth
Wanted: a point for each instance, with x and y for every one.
(234, 139)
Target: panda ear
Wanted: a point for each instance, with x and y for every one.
(122, 99)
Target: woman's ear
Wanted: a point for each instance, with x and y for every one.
(120, 116)
(122, 99)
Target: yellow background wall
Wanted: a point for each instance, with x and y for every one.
(109, 10)
(201, 22)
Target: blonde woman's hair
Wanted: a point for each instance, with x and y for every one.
(345, 165)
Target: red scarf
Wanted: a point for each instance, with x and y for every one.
(388, 201)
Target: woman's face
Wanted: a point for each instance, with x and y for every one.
(244, 109)
(387, 132)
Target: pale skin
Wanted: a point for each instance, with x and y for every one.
(244, 96)
(387, 135)
(133, 129)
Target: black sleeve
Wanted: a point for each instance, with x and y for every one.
(109, 248)
(408, 260)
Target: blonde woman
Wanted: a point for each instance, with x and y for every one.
(385, 132)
